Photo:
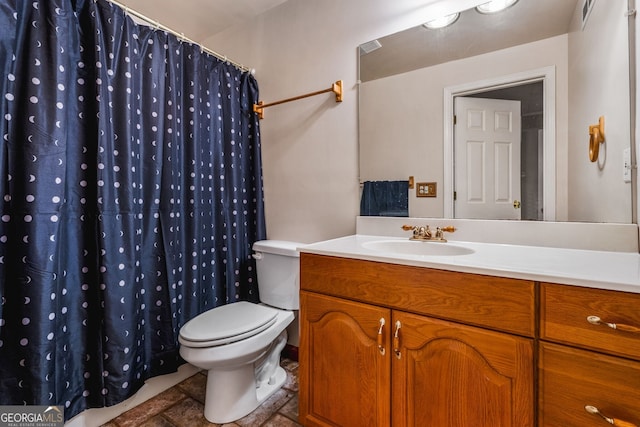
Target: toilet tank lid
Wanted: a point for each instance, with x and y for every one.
(278, 247)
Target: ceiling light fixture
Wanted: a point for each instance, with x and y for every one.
(495, 6)
(442, 22)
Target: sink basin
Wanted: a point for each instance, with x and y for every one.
(417, 247)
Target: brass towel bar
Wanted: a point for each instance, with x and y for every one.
(335, 88)
(411, 183)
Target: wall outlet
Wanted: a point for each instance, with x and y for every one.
(626, 165)
(426, 189)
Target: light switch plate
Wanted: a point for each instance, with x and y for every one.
(426, 189)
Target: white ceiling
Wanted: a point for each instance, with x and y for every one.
(473, 34)
(200, 19)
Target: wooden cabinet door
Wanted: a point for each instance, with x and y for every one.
(344, 377)
(450, 375)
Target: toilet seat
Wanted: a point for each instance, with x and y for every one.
(226, 324)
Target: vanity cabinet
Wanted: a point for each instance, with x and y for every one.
(585, 362)
(384, 344)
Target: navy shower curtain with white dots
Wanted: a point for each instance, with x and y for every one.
(130, 177)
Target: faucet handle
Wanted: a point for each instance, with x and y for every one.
(441, 230)
(408, 227)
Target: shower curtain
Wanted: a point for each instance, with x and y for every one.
(131, 193)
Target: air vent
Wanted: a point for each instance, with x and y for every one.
(369, 47)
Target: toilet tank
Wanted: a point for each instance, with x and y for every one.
(278, 271)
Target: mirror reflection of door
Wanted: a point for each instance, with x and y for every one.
(531, 96)
(487, 139)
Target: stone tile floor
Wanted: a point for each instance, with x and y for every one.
(183, 406)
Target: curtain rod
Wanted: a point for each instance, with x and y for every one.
(158, 26)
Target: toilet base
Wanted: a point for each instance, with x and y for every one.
(228, 404)
(234, 393)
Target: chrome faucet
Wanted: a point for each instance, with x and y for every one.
(424, 232)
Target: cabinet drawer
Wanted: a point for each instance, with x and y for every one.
(565, 310)
(494, 302)
(572, 378)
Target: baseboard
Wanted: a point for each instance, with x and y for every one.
(153, 386)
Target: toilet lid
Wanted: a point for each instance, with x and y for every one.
(227, 323)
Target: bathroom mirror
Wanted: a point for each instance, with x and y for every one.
(565, 63)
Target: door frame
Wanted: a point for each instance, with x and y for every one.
(548, 76)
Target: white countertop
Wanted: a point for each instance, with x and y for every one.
(618, 271)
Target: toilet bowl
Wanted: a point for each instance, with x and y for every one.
(239, 344)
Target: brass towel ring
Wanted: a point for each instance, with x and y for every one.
(596, 137)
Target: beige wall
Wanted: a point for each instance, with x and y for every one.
(600, 80)
(310, 147)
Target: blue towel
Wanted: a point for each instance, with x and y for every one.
(385, 198)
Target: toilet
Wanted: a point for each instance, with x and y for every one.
(239, 344)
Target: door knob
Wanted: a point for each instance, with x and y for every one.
(516, 204)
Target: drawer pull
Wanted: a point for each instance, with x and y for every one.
(614, 422)
(595, 320)
(396, 340)
(380, 337)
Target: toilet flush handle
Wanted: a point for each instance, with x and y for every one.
(257, 255)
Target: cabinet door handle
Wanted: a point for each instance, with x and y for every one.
(595, 320)
(396, 340)
(613, 421)
(380, 337)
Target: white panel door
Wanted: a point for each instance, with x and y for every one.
(487, 158)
